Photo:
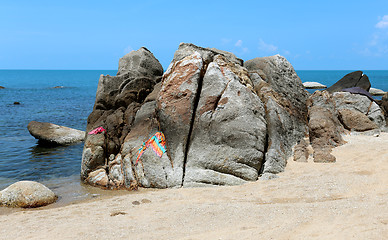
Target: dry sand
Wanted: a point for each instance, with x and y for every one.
(342, 200)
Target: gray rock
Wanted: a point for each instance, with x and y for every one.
(151, 171)
(324, 127)
(228, 137)
(281, 76)
(355, 120)
(301, 153)
(54, 134)
(26, 194)
(268, 176)
(142, 61)
(360, 103)
(284, 98)
(207, 54)
(118, 98)
(98, 178)
(376, 92)
(314, 85)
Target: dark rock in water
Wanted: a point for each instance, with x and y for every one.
(58, 87)
(358, 90)
(52, 134)
(16, 103)
(353, 79)
(285, 98)
(26, 194)
(1, 87)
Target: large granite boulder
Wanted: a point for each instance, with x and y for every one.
(229, 129)
(353, 79)
(284, 99)
(213, 112)
(26, 194)
(52, 134)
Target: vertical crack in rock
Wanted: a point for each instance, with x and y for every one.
(196, 101)
(266, 146)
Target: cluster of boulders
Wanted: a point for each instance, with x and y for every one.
(225, 121)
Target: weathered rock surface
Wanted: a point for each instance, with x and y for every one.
(118, 99)
(355, 120)
(26, 194)
(325, 128)
(284, 99)
(207, 54)
(353, 79)
(49, 133)
(211, 111)
(314, 85)
(228, 140)
(301, 152)
(376, 92)
(360, 103)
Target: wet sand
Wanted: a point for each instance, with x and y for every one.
(343, 200)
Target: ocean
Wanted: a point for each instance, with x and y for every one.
(21, 158)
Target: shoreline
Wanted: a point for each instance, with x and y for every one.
(342, 200)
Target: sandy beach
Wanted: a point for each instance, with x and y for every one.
(342, 200)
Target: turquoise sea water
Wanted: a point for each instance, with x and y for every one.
(21, 158)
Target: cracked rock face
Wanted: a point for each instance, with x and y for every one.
(284, 99)
(216, 123)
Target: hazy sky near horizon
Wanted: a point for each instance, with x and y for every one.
(312, 35)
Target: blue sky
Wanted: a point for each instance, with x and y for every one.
(312, 35)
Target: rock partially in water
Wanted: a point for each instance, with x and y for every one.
(314, 85)
(353, 79)
(376, 92)
(1, 87)
(16, 103)
(52, 134)
(26, 194)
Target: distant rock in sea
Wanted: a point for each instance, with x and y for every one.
(26, 194)
(16, 103)
(314, 85)
(353, 79)
(1, 87)
(48, 133)
(58, 87)
(376, 92)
